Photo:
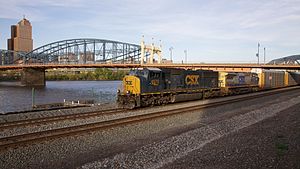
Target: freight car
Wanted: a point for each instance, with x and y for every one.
(153, 86)
(237, 83)
(270, 79)
(292, 78)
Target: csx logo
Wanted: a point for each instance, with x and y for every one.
(192, 79)
(128, 82)
(155, 82)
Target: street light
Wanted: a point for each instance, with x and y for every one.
(185, 53)
(257, 55)
(171, 48)
(264, 55)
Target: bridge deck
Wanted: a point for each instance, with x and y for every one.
(187, 66)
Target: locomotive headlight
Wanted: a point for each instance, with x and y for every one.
(118, 91)
(127, 91)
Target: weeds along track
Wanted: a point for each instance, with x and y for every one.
(29, 138)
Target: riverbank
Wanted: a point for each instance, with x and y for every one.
(15, 97)
(71, 74)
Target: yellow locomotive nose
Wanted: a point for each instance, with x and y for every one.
(131, 85)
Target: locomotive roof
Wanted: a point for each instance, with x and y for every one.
(153, 69)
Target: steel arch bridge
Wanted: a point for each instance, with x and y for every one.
(81, 51)
(289, 60)
(8, 57)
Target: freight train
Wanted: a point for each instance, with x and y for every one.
(153, 86)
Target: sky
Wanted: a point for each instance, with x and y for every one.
(212, 31)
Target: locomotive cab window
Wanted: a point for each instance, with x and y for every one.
(154, 75)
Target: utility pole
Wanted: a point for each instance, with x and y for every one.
(185, 53)
(264, 55)
(257, 55)
(171, 49)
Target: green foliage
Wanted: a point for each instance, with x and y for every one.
(282, 148)
(281, 145)
(10, 75)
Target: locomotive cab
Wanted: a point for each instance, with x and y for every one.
(139, 81)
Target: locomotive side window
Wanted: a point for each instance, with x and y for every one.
(154, 75)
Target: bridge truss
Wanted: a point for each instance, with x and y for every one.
(8, 57)
(289, 60)
(79, 51)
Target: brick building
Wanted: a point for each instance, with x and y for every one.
(21, 37)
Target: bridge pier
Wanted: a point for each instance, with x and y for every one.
(33, 77)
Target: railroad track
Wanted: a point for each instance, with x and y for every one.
(24, 139)
(44, 120)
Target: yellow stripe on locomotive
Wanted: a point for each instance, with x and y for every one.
(131, 85)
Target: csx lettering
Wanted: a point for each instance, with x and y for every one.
(192, 79)
(128, 82)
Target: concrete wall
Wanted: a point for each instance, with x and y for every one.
(33, 77)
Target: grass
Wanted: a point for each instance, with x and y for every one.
(281, 146)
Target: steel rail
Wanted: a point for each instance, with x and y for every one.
(43, 120)
(25, 139)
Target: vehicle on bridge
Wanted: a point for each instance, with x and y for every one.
(153, 86)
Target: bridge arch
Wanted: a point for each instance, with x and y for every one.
(82, 51)
(8, 57)
(288, 60)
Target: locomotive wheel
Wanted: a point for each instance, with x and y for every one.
(172, 98)
(130, 104)
(120, 102)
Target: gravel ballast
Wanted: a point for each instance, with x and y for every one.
(144, 144)
(159, 154)
(271, 143)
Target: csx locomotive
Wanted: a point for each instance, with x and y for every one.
(153, 86)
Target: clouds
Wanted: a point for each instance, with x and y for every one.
(202, 26)
(34, 9)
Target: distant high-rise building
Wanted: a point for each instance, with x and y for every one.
(21, 37)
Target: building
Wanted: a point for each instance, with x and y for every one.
(21, 37)
(87, 57)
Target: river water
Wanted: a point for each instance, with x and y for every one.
(14, 97)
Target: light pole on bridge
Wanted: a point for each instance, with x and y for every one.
(171, 49)
(185, 53)
(264, 55)
(257, 54)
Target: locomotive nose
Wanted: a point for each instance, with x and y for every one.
(131, 85)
